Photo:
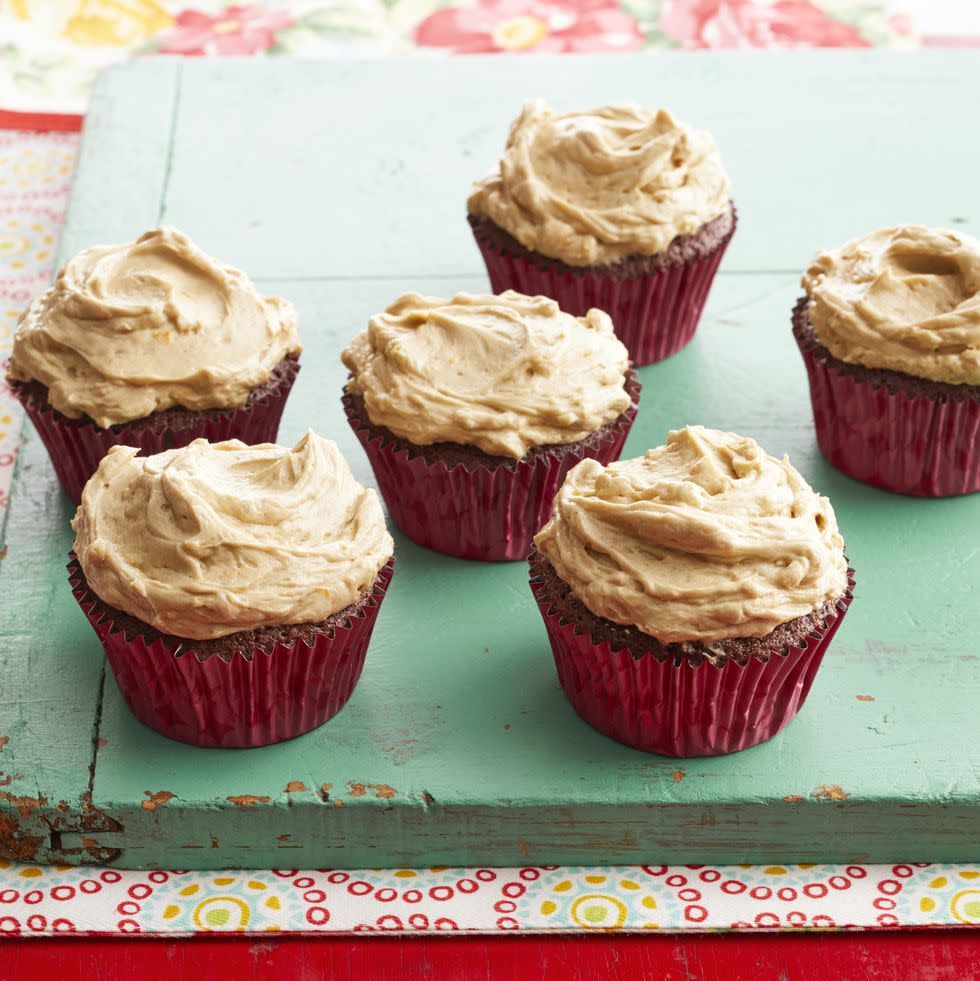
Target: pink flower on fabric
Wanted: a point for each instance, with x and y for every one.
(902, 24)
(238, 30)
(531, 25)
(755, 24)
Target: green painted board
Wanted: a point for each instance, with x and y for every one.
(342, 185)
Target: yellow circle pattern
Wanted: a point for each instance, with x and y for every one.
(225, 913)
(596, 911)
(965, 906)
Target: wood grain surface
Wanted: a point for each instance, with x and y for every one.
(340, 186)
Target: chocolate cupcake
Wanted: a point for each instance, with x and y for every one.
(620, 208)
(234, 588)
(150, 344)
(689, 595)
(889, 330)
(473, 409)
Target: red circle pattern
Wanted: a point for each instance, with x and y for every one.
(696, 889)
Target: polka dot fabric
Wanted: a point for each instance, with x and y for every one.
(37, 900)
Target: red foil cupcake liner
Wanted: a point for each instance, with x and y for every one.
(254, 699)
(679, 709)
(77, 446)
(654, 315)
(926, 446)
(487, 514)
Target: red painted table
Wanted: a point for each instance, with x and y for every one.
(930, 955)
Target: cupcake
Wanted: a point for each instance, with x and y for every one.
(621, 208)
(689, 595)
(889, 330)
(150, 344)
(234, 588)
(472, 410)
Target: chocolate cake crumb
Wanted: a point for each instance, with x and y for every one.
(562, 600)
(681, 251)
(173, 419)
(456, 454)
(243, 643)
(893, 381)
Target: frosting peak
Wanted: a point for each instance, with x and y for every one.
(502, 373)
(216, 538)
(128, 330)
(903, 299)
(704, 538)
(589, 188)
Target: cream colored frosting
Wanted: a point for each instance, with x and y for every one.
(704, 538)
(154, 324)
(502, 373)
(904, 299)
(593, 187)
(214, 538)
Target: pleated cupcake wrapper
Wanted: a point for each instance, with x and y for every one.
(488, 514)
(654, 315)
(255, 699)
(928, 446)
(679, 709)
(76, 447)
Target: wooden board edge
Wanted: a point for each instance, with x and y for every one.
(416, 831)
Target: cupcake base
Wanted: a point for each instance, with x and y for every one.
(460, 501)
(681, 700)
(247, 689)
(655, 301)
(888, 429)
(76, 446)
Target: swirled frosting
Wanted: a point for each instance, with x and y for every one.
(154, 324)
(214, 538)
(589, 188)
(704, 538)
(502, 373)
(903, 299)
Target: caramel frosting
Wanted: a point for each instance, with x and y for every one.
(214, 538)
(128, 330)
(903, 299)
(702, 539)
(502, 373)
(589, 188)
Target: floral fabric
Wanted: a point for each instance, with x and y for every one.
(51, 50)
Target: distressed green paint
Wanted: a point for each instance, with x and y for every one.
(340, 186)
